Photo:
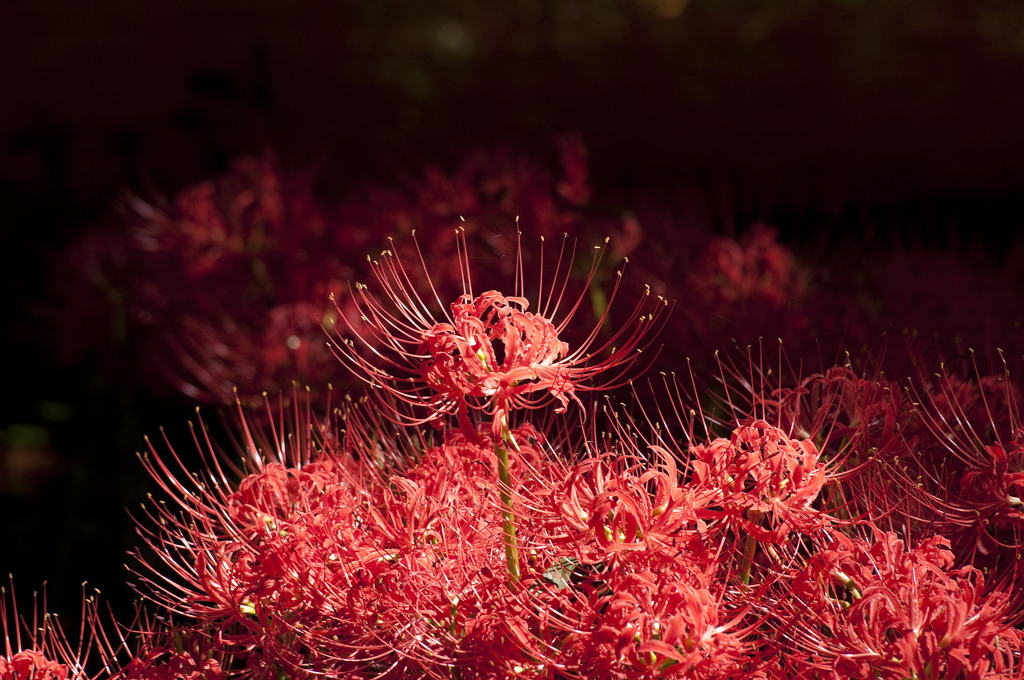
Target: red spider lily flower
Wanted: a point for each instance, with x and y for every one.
(868, 432)
(32, 665)
(664, 625)
(489, 353)
(166, 663)
(617, 503)
(759, 473)
(874, 608)
(45, 653)
(740, 288)
(999, 485)
(463, 356)
(779, 469)
(609, 605)
(833, 409)
(863, 426)
(977, 434)
(229, 279)
(841, 410)
(757, 270)
(222, 548)
(252, 210)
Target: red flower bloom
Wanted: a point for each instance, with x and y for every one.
(756, 271)
(45, 653)
(464, 361)
(630, 582)
(489, 354)
(760, 473)
(870, 609)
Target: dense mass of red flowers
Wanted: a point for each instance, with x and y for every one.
(774, 515)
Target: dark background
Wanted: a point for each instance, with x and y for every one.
(889, 119)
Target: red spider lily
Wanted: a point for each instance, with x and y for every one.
(166, 663)
(789, 450)
(489, 353)
(869, 434)
(618, 503)
(488, 189)
(234, 275)
(840, 410)
(254, 209)
(754, 271)
(219, 543)
(641, 577)
(45, 653)
(734, 288)
(32, 665)
(665, 624)
(874, 608)
(760, 474)
(463, 361)
(978, 434)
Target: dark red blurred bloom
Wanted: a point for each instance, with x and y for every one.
(229, 280)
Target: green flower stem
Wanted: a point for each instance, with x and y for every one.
(505, 492)
(508, 521)
(749, 549)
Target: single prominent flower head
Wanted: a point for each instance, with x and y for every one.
(496, 349)
(488, 352)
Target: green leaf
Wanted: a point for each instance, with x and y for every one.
(559, 574)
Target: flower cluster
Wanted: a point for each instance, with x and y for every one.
(773, 529)
(506, 499)
(868, 608)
